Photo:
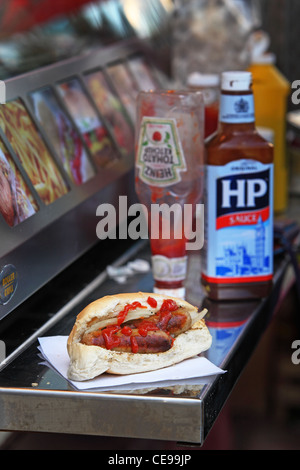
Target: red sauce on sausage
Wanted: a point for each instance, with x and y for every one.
(111, 340)
(126, 330)
(146, 326)
(164, 318)
(152, 302)
(168, 305)
(122, 315)
(134, 344)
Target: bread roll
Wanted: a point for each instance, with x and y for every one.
(89, 361)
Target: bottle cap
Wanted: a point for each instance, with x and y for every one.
(197, 79)
(236, 81)
(268, 58)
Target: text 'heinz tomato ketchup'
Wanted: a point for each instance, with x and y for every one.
(238, 250)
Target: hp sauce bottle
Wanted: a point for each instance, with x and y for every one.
(238, 249)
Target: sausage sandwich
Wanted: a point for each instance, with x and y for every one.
(135, 332)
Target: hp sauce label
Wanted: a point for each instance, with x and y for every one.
(239, 195)
(237, 109)
(239, 222)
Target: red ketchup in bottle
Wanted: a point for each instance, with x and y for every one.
(208, 84)
(169, 179)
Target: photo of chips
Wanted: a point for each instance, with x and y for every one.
(16, 200)
(88, 122)
(32, 152)
(125, 86)
(112, 110)
(142, 74)
(62, 135)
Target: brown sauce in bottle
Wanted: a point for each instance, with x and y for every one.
(238, 250)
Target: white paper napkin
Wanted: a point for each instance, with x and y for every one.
(195, 370)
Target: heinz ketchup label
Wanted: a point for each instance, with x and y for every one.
(160, 155)
(239, 222)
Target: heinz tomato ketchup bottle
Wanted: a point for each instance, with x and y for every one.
(238, 250)
(169, 162)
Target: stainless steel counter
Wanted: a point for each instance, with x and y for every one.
(34, 397)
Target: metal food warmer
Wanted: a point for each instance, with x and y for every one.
(66, 146)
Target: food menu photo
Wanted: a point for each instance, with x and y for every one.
(32, 152)
(63, 136)
(142, 74)
(88, 122)
(112, 109)
(16, 200)
(125, 86)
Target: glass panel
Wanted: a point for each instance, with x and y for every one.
(112, 109)
(31, 151)
(125, 87)
(142, 74)
(88, 123)
(63, 135)
(16, 200)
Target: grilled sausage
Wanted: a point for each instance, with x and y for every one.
(152, 335)
(141, 320)
(154, 342)
(173, 323)
(177, 322)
